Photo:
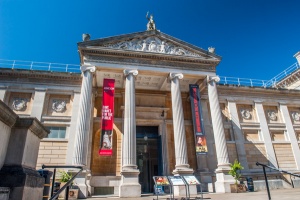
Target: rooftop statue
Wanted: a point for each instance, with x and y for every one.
(151, 23)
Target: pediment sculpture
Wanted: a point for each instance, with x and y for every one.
(246, 114)
(19, 104)
(152, 44)
(272, 115)
(296, 116)
(59, 106)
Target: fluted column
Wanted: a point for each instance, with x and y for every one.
(218, 127)
(84, 117)
(181, 157)
(129, 186)
(129, 138)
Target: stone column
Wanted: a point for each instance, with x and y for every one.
(223, 182)
(291, 133)
(130, 186)
(238, 134)
(84, 117)
(182, 166)
(38, 103)
(265, 133)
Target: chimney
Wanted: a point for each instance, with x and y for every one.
(297, 56)
(86, 37)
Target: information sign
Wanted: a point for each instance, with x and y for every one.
(191, 180)
(176, 180)
(161, 180)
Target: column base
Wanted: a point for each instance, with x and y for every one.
(222, 185)
(223, 168)
(183, 170)
(80, 181)
(130, 186)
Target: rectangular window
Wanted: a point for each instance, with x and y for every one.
(57, 132)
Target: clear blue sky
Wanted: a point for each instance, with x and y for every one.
(256, 38)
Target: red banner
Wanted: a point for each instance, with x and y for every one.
(107, 117)
(201, 147)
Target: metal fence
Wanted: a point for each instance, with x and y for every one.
(43, 66)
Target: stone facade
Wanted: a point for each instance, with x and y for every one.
(245, 123)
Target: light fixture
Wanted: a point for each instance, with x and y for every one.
(145, 137)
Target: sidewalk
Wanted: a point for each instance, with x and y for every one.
(282, 194)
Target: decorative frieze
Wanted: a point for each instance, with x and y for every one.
(295, 115)
(272, 115)
(19, 104)
(246, 114)
(59, 106)
(152, 44)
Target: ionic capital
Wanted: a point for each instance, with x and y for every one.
(84, 68)
(216, 79)
(176, 75)
(134, 72)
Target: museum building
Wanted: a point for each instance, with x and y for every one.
(153, 128)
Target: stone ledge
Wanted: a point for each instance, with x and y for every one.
(7, 116)
(33, 124)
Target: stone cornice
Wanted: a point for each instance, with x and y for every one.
(7, 116)
(32, 76)
(32, 124)
(147, 55)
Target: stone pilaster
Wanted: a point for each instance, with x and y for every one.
(182, 166)
(291, 133)
(38, 103)
(265, 133)
(238, 134)
(223, 182)
(84, 117)
(130, 186)
(2, 93)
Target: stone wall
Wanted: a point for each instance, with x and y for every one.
(52, 153)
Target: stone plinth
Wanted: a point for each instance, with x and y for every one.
(7, 120)
(130, 186)
(18, 172)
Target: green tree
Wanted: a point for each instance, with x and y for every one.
(235, 170)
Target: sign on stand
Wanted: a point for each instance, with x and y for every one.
(192, 180)
(159, 182)
(177, 181)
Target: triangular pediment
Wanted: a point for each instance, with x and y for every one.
(150, 42)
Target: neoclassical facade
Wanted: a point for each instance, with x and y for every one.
(153, 127)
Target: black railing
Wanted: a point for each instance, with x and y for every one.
(67, 185)
(273, 168)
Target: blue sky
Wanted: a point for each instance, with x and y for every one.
(255, 38)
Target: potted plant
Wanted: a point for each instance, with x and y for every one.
(64, 178)
(235, 172)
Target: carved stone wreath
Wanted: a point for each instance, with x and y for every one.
(272, 115)
(246, 114)
(296, 116)
(59, 106)
(19, 104)
(152, 44)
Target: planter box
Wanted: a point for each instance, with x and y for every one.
(238, 188)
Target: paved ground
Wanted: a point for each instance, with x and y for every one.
(282, 194)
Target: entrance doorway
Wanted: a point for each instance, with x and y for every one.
(149, 159)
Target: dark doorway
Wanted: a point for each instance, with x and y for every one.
(148, 151)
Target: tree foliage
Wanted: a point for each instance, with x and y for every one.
(235, 170)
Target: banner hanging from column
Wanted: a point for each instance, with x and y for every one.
(200, 138)
(107, 117)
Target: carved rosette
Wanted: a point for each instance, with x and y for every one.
(59, 106)
(246, 114)
(152, 44)
(272, 115)
(295, 115)
(19, 104)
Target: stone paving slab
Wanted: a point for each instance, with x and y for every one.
(280, 194)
